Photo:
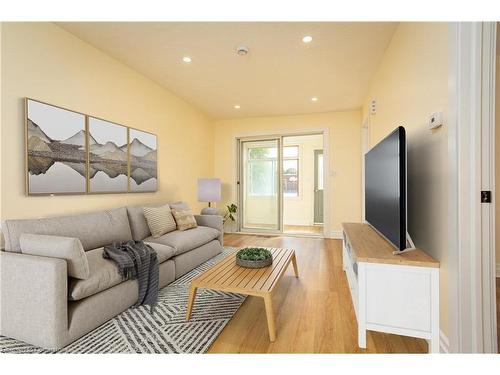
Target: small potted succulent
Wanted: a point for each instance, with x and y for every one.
(254, 257)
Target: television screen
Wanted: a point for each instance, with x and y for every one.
(385, 187)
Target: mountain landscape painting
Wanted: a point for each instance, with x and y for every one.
(107, 144)
(56, 153)
(143, 161)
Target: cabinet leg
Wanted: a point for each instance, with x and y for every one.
(434, 344)
(362, 336)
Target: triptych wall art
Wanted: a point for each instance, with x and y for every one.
(71, 153)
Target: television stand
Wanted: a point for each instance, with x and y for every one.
(392, 294)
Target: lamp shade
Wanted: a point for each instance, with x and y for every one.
(208, 189)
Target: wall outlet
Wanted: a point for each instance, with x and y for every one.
(435, 120)
(373, 106)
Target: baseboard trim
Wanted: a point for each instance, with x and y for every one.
(336, 234)
(444, 343)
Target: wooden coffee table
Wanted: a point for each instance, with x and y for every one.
(226, 276)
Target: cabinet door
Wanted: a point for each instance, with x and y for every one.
(398, 296)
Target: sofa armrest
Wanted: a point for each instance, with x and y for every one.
(212, 221)
(34, 299)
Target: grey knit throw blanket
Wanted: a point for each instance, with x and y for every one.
(137, 260)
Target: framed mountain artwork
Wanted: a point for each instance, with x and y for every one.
(55, 150)
(143, 161)
(108, 157)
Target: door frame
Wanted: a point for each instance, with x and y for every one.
(239, 177)
(327, 233)
(471, 157)
(315, 185)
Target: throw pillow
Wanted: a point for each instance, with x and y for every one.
(67, 248)
(159, 219)
(184, 219)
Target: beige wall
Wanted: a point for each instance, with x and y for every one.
(344, 146)
(411, 84)
(42, 61)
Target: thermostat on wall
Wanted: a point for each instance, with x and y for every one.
(435, 120)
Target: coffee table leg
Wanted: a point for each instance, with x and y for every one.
(192, 296)
(295, 268)
(268, 301)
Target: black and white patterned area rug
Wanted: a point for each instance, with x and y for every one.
(166, 330)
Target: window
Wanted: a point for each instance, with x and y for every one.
(291, 171)
(262, 163)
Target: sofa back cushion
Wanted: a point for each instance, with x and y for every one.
(138, 223)
(94, 230)
(180, 205)
(67, 248)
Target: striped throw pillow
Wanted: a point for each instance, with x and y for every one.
(185, 219)
(160, 220)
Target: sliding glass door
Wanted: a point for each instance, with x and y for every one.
(260, 184)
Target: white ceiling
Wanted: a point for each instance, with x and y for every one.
(279, 75)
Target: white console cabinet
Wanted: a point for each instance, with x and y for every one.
(396, 294)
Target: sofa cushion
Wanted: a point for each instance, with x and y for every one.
(103, 273)
(190, 239)
(160, 220)
(67, 248)
(93, 230)
(163, 252)
(138, 223)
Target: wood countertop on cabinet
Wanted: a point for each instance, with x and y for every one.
(369, 246)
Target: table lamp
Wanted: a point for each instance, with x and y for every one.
(209, 191)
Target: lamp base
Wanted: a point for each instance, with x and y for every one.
(209, 211)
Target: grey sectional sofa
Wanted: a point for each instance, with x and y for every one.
(42, 306)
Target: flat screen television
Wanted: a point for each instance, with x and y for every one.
(385, 188)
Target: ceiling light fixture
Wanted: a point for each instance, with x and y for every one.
(187, 59)
(237, 106)
(241, 50)
(314, 99)
(307, 39)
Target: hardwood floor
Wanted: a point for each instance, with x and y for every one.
(307, 229)
(314, 313)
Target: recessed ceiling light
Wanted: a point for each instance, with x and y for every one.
(187, 59)
(314, 99)
(242, 50)
(307, 39)
(237, 106)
